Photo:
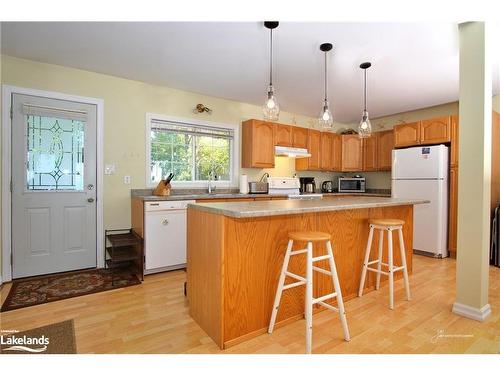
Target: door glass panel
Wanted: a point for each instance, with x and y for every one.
(55, 153)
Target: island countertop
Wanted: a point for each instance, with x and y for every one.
(291, 207)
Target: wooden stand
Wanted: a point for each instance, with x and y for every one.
(162, 189)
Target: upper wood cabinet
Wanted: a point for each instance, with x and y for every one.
(283, 135)
(407, 134)
(314, 147)
(352, 153)
(384, 150)
(257, 146)
(454, 142)
(437, 130)
(326, 162)
(299, 137)
(370, 154)
(336, 152)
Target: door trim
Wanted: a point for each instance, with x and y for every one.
(7, 92)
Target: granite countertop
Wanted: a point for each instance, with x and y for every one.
(181, 197)
(292, 207)
(146, 195)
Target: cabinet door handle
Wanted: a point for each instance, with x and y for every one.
(165, 222)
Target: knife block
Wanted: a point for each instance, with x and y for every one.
(163, 189)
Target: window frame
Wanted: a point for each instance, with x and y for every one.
(234, 150)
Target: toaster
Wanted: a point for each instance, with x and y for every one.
(258, 187)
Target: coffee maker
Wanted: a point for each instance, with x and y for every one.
(307, 185)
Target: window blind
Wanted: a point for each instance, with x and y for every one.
(191, 129)
(39, 110)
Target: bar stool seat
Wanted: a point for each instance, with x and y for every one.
(309, 236)
(310, 300)
(387, 222)
(385, 225)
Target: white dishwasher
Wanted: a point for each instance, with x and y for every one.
(165, 235)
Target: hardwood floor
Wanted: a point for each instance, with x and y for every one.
(153, 318)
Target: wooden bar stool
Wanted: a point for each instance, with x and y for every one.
(388, 225)
(310, 237)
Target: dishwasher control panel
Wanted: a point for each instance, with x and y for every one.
(166, 205)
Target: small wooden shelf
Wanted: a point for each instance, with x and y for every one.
(124, 251)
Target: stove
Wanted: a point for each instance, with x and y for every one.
(283, 186)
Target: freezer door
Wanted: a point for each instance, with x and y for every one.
(430, 220)
(425, 162)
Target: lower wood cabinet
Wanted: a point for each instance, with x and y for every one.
(352, 153)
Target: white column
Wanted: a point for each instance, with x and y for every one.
(474, 174)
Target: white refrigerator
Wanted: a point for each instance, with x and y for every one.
(422, 173)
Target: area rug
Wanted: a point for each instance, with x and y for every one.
(57, 338)
(42, 289)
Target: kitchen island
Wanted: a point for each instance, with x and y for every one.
(235, 252)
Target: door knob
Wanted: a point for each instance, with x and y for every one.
(165, 222)
(90, 200)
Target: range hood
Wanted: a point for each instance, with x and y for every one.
(292, 152)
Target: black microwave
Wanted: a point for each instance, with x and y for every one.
(352, 184)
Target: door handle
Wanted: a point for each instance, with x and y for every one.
(90, 200)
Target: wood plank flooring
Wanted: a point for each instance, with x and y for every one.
(153, 318)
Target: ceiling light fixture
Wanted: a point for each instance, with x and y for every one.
(271, 108)
(365, 127)
(325, 120)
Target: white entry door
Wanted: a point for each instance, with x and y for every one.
(53, 185)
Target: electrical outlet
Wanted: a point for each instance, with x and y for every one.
(126, 180)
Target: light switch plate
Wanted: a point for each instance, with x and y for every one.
(126, 180)
(109, 169)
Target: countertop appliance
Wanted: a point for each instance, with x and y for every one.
(307, 185)
(165, 235)
(258, 187)
(356, 184)
(283, 185)
(327, 187)
(422, 173)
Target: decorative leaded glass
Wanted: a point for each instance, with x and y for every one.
(55, 153)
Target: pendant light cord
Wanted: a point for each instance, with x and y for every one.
(365, 89)
(271, 61)
(326, 80)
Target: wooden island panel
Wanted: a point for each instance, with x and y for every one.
(243, 258)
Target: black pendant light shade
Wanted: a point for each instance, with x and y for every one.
(271, 107)
(365, 126)
(325, 120)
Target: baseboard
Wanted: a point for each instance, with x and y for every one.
(472, 312)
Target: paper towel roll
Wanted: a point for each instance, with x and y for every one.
(243, 184)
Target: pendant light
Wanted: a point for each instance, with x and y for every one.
(271, 108)
(365, 127)
(325, 120)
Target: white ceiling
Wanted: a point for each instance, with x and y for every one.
(414, 65)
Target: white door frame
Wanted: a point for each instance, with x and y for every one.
(7, 92)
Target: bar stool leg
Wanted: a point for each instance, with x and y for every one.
(403, 260)
(336, 285)
(309, 297)
(365, 263)
(391, 272)
(380, 247)
(279, 289)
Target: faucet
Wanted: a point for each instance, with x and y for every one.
(211, 175)
(265, 175)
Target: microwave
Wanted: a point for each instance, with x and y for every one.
(352, 184)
